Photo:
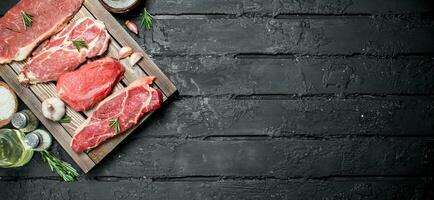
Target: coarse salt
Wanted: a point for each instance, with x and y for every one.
(7, 103)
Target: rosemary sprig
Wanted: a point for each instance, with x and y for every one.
(27, 19)
(115, 125)
(64, 169)
(78, 44)
(65, 119)
(146, 19)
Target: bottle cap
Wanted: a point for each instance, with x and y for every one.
(19, 120)
(44, 137)
(32, 140)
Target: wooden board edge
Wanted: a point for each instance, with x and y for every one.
(124, 38)
(58, 132)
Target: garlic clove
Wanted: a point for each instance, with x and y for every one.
(125, 52)
(132, 27)
(135, 57)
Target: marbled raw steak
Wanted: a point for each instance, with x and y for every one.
(126, 107)
(48, 17)
(60, 55)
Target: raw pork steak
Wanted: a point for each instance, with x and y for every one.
(85, 87)
(59, 55)
(126, 106)
(48, 18)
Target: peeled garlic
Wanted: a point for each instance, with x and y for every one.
(53, 108)
(135, 57)
(125, 52)
(131, 26)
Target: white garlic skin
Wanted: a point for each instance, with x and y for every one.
(53, 108)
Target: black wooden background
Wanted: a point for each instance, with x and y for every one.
(279, 99)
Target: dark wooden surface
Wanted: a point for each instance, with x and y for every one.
(278, 100)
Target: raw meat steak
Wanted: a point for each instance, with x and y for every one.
(59, 55)
(126, 106)
(85, 87)
(48, 17)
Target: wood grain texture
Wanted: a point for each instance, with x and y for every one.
(279, 158)
(312, 117)
(290, 7)
(129, 189)
(280, 99)
(298, 75)
(305, 35)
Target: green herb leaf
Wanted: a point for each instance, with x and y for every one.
(78, 44)
(65, 119)
(146, 19)
(115, 125)
(64, 169)
(27, 19)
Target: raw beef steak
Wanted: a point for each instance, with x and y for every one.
(60, 55)
(48, 17)
(125, 107)
(85, 87)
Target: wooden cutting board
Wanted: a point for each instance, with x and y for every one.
(33, 95)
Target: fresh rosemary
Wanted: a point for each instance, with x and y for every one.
(64, 169)
(146, 19)
(27, 19)
(115, 125)
(78, 44)
(65, 119)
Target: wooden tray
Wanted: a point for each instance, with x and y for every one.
(34, 95)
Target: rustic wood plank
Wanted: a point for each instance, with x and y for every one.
(60, 133)
(276, 7)
(259, 74)
(223, 120)
(124, 39)
(307, 117)
(310, 35)
(204, 189)
(312, 127)
(279, 158)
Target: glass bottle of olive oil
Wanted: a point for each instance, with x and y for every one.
(13, 153)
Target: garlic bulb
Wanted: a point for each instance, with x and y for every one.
(132, 27)
(135, 57)
(53, 108)
(125, 52)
